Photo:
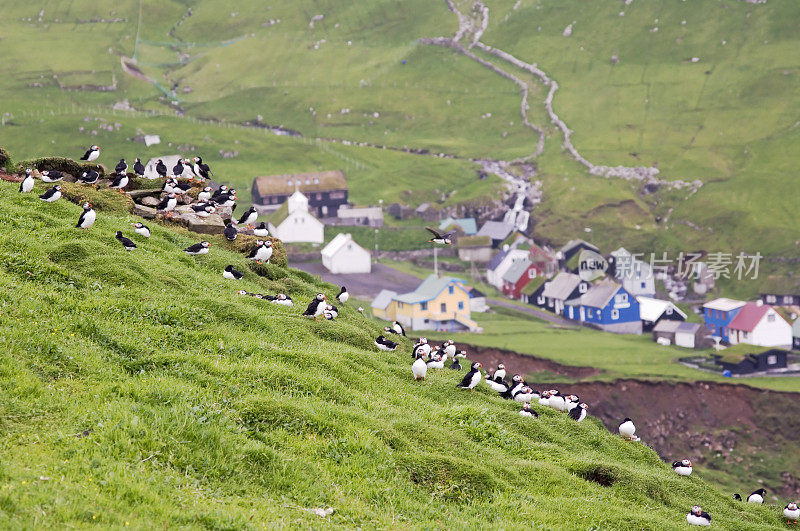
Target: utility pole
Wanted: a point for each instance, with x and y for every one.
(436, 261)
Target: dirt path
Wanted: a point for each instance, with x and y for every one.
(533, 311)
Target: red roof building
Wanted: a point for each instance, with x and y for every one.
(759, 324)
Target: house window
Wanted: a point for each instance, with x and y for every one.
(531, 273)
(399, 304)
(621, 298)
(423, 306)
(771, 299)
(644, 285)
(668, 311)
(615, 314)
(582, 287)
(461, 305)
(588, 312)
(770, 317)
(443, 307)
(539, 300)
(787, 299)
(772, 360)
(450, 290)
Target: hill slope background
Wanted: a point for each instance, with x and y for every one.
(138, 389)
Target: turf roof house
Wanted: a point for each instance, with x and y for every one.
(563, 287)
(439, 303)
(608, 306)
(292, 222)
(737, 363)
(517, 276)
(718, 314)
(569, 254)
(326, 191)
(462, 226)
(653, 311)
(759, 324)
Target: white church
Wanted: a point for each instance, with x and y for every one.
(292, 223)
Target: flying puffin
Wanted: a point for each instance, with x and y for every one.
(168, 203)
(128, 244)
(419, 368)
(385, 344)
(682, 467)
(87, 218)
(435, 361)
(51, 176)
(177, 170)
(121, 167)
(138, 168)
(500, 387)
(791, 512)
(261, 230)
(343, 295)
(527, 411)
(231, 273)
(92, 154)
(249, 217)
(120, 182)
(330, 312)
(27, 183)
(578, 413)
(53, 194)
(627, 429)
(205, 194)
(398, 328)
(262, 252)
(141, 229)
(698, 516)
(472, 378)
(283, 300)
(757, 496)
(316, 306)
(500, 373)
(161, 168)
(89, 177)
(230, 232)
(444, 238)
(198, 248)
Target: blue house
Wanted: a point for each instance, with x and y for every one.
(607, 306)
(718, 315)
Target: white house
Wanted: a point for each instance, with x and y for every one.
(759, 324)
(343, 255)
(292, 222)
(500, 265)
(635, 275)
(652, 311)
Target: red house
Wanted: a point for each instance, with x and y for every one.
(517, 276)
(544, 259)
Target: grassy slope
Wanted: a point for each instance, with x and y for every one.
(209, 409)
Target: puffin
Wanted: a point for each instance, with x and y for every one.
(316, 306)
(385, 344)
(449, 348)
(138, 168)
(737, 497)
(173, 185)
(141, 229)
(201, 169)
(177, 170)
(682, 467)
(442, 238)
(698, 516)
(127, 243)
(516, 384)
(230, 273)
(261, 230)
(343, 295)
(500, 373)
(500, 387)
(198, 248)
(757, 496)
(627, 429)
(791, 512)
(419, 368)
(230, 232)
(53, 194)
(161, 168)
(423, 344)
(27, 183)
(168, 203)
(360, 309)
(398, 328)
(88, 216)
(527, 411)
(203, 210)
(283, 300)
(121, 167)
(205, 194)
(222, 190)
(578, 413)
(91, 154)
(262, 252)
(389, 330)
(456, 365)
(330, 312)
(89, 177)
(226, 200)
(571, 402)
(472, 378)
(51, 176)
(435, 361)
(120, 182)
(249, 217)
(525, 394)
(557, 401)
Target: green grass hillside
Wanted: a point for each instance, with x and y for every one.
(137, 389)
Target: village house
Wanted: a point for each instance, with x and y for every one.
(780, 299)
(380, 304)
(544, 259)
(759, 324)
(439, 303)
(343, 256)
(608, 306)
(462, 226)
(326, 191)
(682, 334)
(563, 287)
(477, 300)
(568, 255)
(652, 311)
(533, 292)
(501, 263)
(736, 363)
(474, 249)
(497, 231)
(293, 223)
(517, 276)
(718, 314)
(359, 216)
(635, 275)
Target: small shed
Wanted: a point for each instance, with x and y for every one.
(343, 256)
(691, 335)
(477, 300)
(666, 329)
(366, 216)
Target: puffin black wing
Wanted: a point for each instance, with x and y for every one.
(138, 168)
(312, 306)
(86, 155)
(434, 232)
(197, 247)
(467, 379)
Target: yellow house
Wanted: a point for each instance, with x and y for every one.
(436, 304)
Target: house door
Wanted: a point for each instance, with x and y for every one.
(583, 313)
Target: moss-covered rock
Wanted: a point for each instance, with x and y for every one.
(103, 199)
(62, 164)
(4, 158)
